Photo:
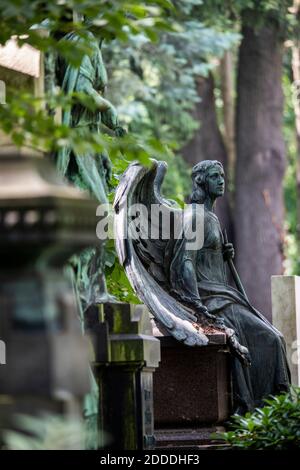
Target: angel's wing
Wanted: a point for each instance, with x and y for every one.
(143, 256)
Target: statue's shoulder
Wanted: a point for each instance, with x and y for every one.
(211, 223)
(211, 217)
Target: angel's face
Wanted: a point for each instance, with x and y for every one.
(215, 181)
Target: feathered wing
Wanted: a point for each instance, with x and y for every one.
(143, 257)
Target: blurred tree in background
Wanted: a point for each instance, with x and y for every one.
(155, 83)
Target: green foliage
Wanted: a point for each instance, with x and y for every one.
(276, 426)
(117, 281)
(111, 19)
(155, 82)
(156, 106)
(47, 432)
(154, 50)
(25, 117)
(118, 284)
(177, 183)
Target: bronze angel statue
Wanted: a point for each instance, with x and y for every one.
(187, 290)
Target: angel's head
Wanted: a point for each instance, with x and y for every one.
(208, 181)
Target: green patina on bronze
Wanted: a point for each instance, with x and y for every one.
(89, 172)
(201, 275)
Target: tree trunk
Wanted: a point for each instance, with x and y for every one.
(227, 89)
(259, 209)
(296, 78)
(207, 143)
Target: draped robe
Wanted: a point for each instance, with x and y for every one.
(201, 275)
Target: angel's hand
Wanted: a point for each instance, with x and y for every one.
(239, 351)
(120, 131)
(110, 117)
(203, 314)
(107, 167)
(228, 251)
(209, 319)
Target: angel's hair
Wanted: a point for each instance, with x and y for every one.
(199, 175)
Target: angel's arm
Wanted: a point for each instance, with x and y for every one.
(186, 285)
(85, 85)
(109, 115)
(183, 278)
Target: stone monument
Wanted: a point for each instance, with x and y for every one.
(286, 317)
(126, 355)
(186, 288)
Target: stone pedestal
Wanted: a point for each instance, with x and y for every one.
(192, 391)
(286, 317)
(46, 368)
(126, 357)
